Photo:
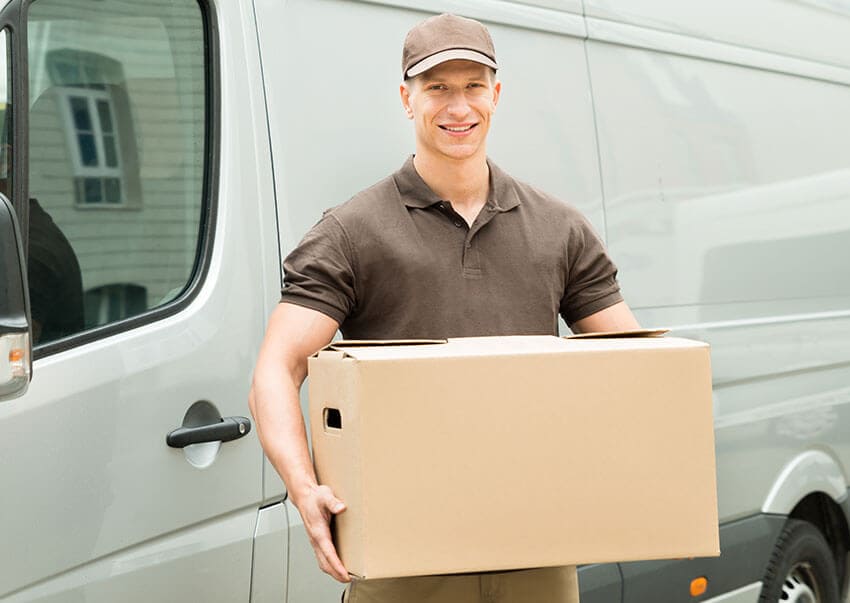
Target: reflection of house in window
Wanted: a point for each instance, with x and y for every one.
(95, 110)
(110, 303)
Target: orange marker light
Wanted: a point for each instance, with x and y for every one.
(16, 355)
(698, 586)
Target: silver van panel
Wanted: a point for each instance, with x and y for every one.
(697, 179)
(97, 493)
(572, 6)
(269, 569)
(726, 197)
(164, 569)
(524, 14)
(683, 45)
(812, 29)
(745, 594)
(745, 545)
(811, 471)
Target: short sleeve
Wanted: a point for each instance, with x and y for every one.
(319, 272)
(591, 283)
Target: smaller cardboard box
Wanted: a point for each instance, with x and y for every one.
(496, 453)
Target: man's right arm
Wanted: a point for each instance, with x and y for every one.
(293, 335)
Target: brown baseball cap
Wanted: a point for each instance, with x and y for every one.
(445, 38)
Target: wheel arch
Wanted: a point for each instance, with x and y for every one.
(809, 472)
(812, 487)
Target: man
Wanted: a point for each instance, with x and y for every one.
(448, 246)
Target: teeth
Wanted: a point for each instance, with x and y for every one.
(463, 129)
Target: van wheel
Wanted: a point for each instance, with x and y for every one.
(801, 568)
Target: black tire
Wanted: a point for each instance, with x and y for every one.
(801, 568)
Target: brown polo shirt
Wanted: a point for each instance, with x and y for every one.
(396, 261)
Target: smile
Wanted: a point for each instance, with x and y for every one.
(458, 129)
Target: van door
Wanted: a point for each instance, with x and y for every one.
(146, 313)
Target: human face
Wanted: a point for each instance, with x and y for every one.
(451, 106)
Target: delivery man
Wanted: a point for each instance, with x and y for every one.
(448, 246)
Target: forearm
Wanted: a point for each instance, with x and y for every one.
(276, 407)
(293, 335)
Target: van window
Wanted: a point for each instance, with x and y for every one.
(5, 116)
(116, 163)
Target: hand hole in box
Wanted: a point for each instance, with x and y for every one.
(333, 418)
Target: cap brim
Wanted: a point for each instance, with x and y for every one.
(453, 54)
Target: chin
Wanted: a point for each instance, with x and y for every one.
(460, 153)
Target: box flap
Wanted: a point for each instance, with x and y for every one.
(451, 348)
(343, 346)
(511, 345)
(620, 334)
(372, 343)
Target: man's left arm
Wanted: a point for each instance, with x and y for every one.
(618, 317)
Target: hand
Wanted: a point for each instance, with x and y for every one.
(316, 509)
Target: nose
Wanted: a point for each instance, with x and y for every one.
(458, 107)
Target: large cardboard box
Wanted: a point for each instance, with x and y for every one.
(495, 453)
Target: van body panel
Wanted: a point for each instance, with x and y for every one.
(600, 583)
(722, 52)
(730, 229)
(782, 28)
(571, 6)
(164, 569)
(84, 451)
(270, 562)
(265, 219)
(745, 547)
(746, 594)
(697, 178)
(794, 401)
(529, 14)
(811, 471)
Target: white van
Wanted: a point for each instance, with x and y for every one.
(160, 157)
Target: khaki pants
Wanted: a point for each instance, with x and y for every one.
(544, 585)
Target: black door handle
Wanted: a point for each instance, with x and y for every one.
(229, 428)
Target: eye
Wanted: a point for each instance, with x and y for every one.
(436, 87)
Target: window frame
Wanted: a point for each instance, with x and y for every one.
(10, 19)
(93, 96)
(14, 16)
(8, 112)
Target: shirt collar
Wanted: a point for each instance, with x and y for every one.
(415, 193)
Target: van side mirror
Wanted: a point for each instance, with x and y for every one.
(15, 343)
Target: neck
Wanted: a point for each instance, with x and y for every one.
(464, 182)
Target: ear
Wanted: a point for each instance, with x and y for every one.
(497, 91)
(404, 92)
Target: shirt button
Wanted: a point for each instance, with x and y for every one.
(458, 223)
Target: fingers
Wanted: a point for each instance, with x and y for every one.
(333, 564)
(317, 522)
(326, 555)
